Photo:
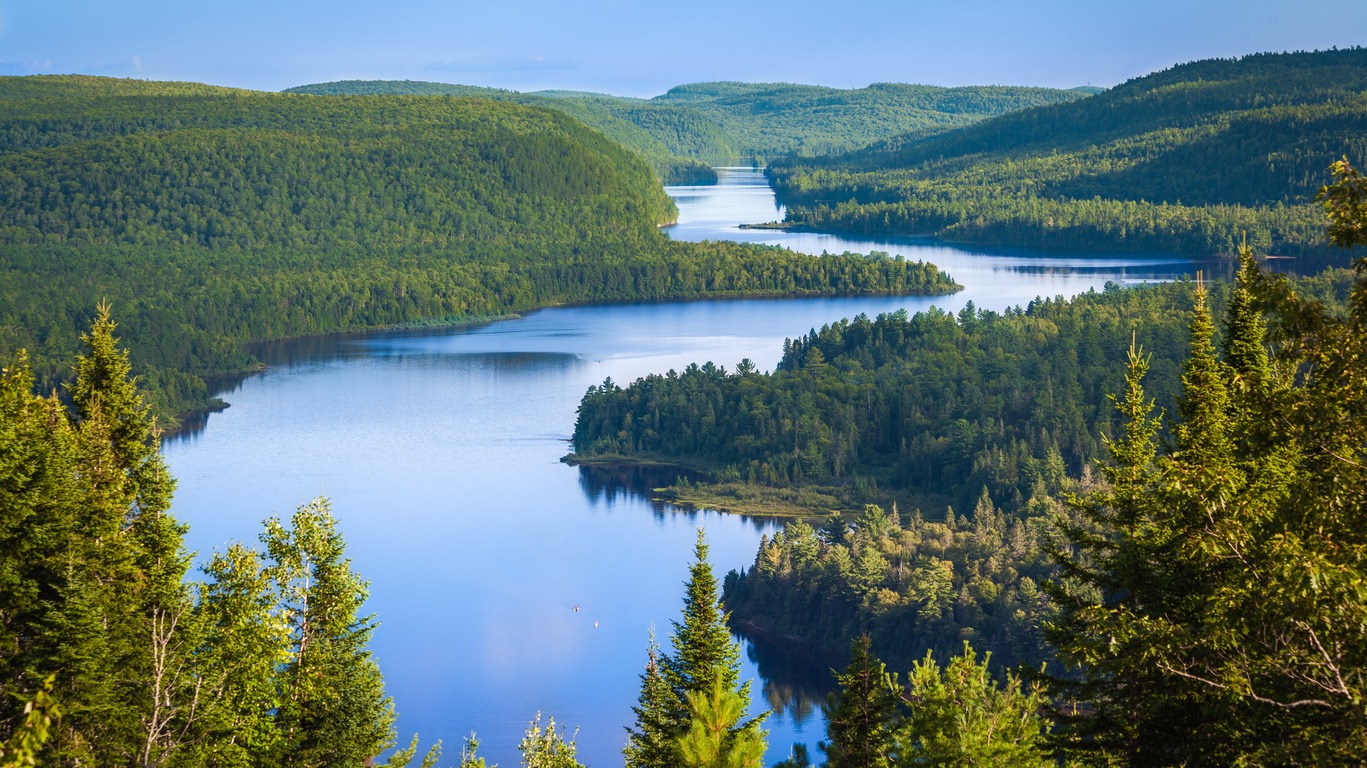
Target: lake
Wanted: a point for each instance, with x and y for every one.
(440, 452)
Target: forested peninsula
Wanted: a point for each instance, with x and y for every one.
(1195, 602)
(1191, 159)
(686, 130)
(212, 217)
(966, 430)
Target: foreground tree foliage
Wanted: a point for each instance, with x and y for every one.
(952, 716)
(265, 664)
(863, 715)
(1213, 613)
(960, 715)
(692, 707)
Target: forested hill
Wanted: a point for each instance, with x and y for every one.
(972, 427)
(1188, 159)
(682, 130)
(767, 120)
(212, 217)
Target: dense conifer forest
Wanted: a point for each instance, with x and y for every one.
(1192, 159)
(691, 126)
(1160, 491)
(213, 217)
(1196, 601)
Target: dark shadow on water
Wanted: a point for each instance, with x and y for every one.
(797, 678)
(608, 484)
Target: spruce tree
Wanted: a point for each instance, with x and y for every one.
(38, 512)
(333, 710)
(862, 715)
(651, 741)
(715, 736)
(693, 694)
(703, 648)
(1107, 585)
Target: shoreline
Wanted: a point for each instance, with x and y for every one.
(217, 382)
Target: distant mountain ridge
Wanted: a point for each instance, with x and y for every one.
(691, 126)
(214, 217)
(1188, 159)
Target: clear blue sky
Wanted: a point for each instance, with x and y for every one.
(642, 47)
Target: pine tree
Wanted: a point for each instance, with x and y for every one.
(960, 716)
(703, 648)
(716, 737)
(651, 741)
(862, 715)
(333, 709)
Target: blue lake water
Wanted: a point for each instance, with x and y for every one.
(440, 452)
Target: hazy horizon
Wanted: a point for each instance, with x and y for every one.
(643, 49)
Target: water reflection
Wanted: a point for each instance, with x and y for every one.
(440, 450)
(607, 483)
(797, 679)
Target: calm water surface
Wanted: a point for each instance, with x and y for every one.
(440, 452)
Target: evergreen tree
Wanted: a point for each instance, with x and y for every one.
(1252, 652)
(690, 699)
(121, 634)
(703, 648)
(38, 491)
(960, 716)
(1346, 203)
(333, 709)
(1109, 583)
(651, 742)
(716, 737)
(245, 644)
(862, 715)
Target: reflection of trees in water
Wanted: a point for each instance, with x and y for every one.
(609, 483)
(796, 678)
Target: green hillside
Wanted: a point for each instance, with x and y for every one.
(671, 140)
(212, 217)
(683, 130)
(1187, 159)
(767, 120)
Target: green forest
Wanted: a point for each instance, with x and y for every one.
(689, 128)
(113, 654)
(1203, 593)
(1196, 601)
(1192, 159)
(1123, 529)
(211, 218)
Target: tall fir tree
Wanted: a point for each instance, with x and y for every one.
(687, 696)
(333, 710)
(703, 648)
(1111, 581)
(651, 739)
(38, 512)
(861, 716)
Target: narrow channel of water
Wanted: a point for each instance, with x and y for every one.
(440, 451)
